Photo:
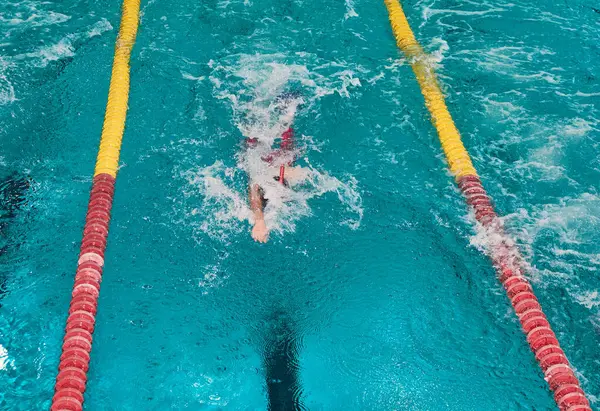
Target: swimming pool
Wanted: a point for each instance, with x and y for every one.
(392, 302)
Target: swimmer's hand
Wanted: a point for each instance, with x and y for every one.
(260, 232)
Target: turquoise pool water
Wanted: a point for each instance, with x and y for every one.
(377, 265)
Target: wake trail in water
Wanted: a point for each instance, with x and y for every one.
(282, 368)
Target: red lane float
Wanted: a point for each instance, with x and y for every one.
(77, 343)
(508, 263)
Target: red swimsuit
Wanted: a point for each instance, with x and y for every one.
(287, 145)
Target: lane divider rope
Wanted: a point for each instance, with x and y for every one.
(505, 256)
(77, 344)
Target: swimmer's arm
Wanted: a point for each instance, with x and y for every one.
(260, 232)
(256, 201)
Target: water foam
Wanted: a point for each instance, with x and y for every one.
(5, 362)
(220, 195)
(252, 84)
(493, 241)
(7, 91)
(350, 12)
(589, 299)
(569, 259)
(35, 17)
(65, 47)
(221, 205)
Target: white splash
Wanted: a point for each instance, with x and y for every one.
(573, 225)
(220, 205)
(253, 86)
(493, 241)
(589, 299)
(189, 76)
(65, 47)
(440, 47)
(350, 12)
(7, 91)
(5, 362)
(220, 193)
(36, 18)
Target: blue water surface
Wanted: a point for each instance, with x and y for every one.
(378, 268)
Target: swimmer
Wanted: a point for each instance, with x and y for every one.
(278, 165)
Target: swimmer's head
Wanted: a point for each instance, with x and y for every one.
(285, 182)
